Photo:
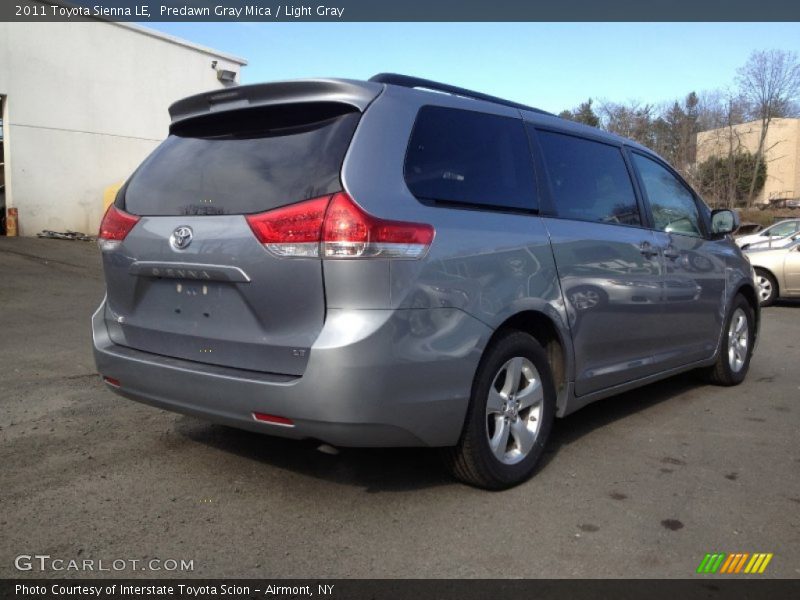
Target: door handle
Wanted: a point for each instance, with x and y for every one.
(648, 250)
(671, 253)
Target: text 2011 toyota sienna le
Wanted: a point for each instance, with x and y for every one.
(398, 262)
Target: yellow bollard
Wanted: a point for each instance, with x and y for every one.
(109, 194)
(12, 226)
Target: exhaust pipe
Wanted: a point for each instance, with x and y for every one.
(328, 449)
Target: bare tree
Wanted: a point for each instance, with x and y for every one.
(770, 84)
(720, 112)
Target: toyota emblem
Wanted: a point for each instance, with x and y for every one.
(181, 237)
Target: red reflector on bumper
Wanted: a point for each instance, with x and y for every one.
(112, 381)
(274, 419)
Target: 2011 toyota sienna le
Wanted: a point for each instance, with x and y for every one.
(398, 262)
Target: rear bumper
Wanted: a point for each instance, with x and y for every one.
(374, 378)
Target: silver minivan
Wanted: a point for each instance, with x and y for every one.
(399, 262)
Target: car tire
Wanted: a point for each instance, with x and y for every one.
(510, 415)
(767, 287)
(733, 360)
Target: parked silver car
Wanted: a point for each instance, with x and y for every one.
(370, 263)
(777, 272)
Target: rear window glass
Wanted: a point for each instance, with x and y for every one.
(589, 179)
(248, 161)
(470, 158)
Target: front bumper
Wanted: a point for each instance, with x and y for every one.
(374, 378)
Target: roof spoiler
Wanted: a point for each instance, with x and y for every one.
(355, 93)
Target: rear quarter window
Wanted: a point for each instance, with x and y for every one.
(469, 158)
(248, 161)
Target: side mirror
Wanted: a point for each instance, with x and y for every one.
(723, 222)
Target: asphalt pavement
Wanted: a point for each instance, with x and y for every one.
(640, 485)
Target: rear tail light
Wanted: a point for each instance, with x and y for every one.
(336, 227)
(115, 226)
(291, 230)
(349, 232)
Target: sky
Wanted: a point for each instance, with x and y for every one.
(552, 66)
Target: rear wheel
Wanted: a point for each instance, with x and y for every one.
(733, 360)
(767, 287)
(510, 415)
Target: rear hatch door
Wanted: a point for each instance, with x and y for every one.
(191, 280)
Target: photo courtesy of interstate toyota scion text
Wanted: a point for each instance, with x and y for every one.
(400, 262)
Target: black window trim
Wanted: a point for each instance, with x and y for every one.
(536, 201)
(549, 206)
(705, 225)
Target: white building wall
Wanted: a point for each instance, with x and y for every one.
(85, 103)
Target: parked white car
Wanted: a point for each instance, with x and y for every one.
(773, 233)
(773, 243)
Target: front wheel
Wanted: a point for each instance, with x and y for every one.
(767, 288)
(510, 415)
(733, 360)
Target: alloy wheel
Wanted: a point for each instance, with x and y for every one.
(764, 288)
(514, 410)
(738, 339)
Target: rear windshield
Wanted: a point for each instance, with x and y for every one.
(244, 162)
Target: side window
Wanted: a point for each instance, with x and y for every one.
(589, 179)
(783, 229)
(673, 206)
(466, 157)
